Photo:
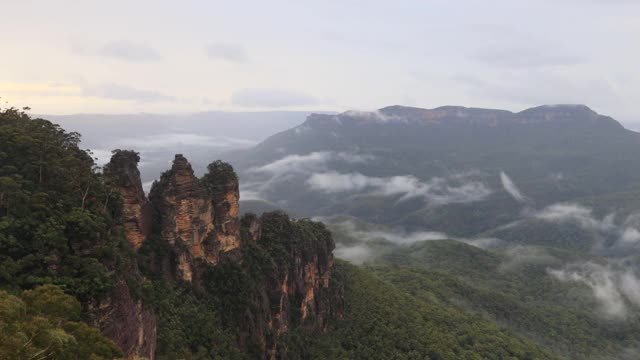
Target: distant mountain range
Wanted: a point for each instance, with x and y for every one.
(471, 234)
(199, 136)
(465, 172)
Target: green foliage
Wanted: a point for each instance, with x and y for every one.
(55, 217)
(59, 220)
(219, 175)
(189, 324)
(513, 289)
(383, 322)
(42, 324)
(224, 312)
(121, 165)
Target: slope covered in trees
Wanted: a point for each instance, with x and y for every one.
(514, 289)
(71, 278)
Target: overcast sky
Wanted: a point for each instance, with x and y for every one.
(181, 56)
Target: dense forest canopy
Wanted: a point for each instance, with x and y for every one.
(56, 235)
(64, 256)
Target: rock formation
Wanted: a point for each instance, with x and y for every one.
(123, 172)
(198, 220)
(298, 291)
(127, 322)
(130, 324)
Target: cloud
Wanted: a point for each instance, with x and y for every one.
(373, 116)
(124, 92)
(517, 256)
(356, 254)
(226, 51)
(508, 47)
(525, 57)
(544, 86)
(182, 140)
(615, 239)
(583, 216)
(615, 290)
(248, 194)
(308, 162)
(365, 241)
(39, 89)
(436, 190)
(400, 237)
(295, 165)
(511, 188)
(271, 98)
(102, 156)
(146, 186)
(121, 50)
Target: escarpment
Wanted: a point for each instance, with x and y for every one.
(299, 287)
(198, 217)
(128, 322)
(122, 172)
(121, 316)
(272, 272)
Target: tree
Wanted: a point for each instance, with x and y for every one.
(42, 324)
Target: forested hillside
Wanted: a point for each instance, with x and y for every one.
(92, 267)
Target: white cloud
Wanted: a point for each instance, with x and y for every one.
(226, 51)
(525, 57)
(368, 240)
(511, 188)
(435, 191)
(146, 186)
(517, 256)
(308, 162)
(126, 50)
(615, 238)
(124, 92)
(356, 254)
(262, 177)
(122, 50)
(613, 289)
(400, 237)
(271, 98)
(182, 140)
(373, 116)
(630, 236)
(583, 216)
(102, 156)
(482, 243)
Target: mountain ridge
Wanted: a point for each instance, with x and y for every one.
(408, 114)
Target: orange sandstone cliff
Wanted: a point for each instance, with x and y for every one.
(198, 219)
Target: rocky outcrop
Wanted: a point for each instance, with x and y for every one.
(251, 225)
(127, 322)
(222, 183)
(288, 262)
(198, 217)
(298, 292)
(122, 172)
(130, 324)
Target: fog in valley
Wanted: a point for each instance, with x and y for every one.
(332, 180)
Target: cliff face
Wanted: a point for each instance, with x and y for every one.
(127, 322)
(298, 290)
(222, 183)
(123, 172)
(197, 220)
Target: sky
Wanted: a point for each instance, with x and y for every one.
(62, 57)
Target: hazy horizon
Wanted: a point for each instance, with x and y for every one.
(165, 57)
